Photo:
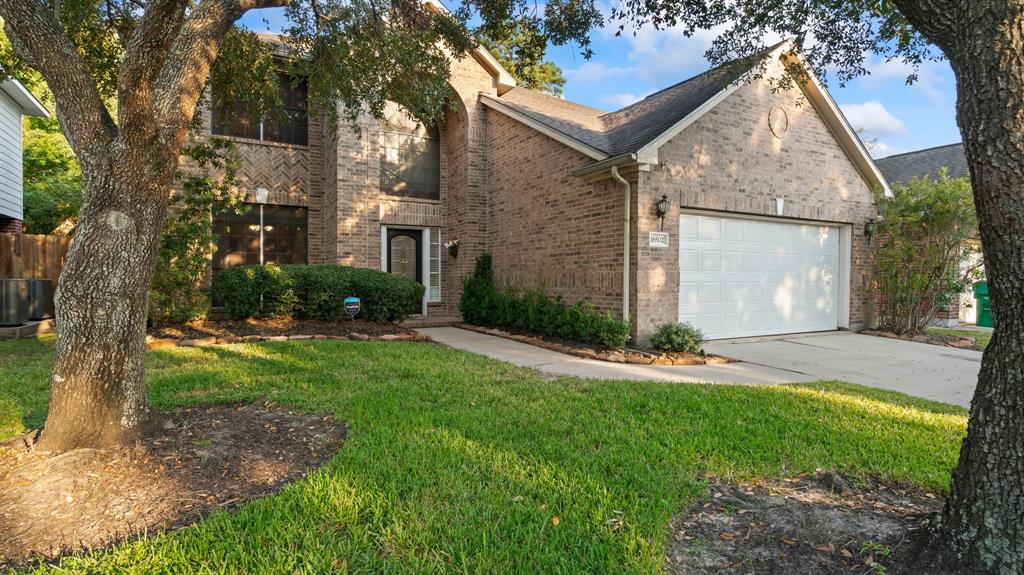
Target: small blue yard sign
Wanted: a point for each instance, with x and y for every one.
(352, 306)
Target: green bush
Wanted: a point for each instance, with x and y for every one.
(316, 292)
(533, 311)
(678, 337)
(256, 291)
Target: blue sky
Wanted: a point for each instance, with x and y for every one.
(624, 69)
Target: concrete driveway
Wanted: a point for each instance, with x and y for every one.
(932, 372)
(558, 363)
(929, 371)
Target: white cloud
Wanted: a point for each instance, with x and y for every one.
(930, 81)
(880, 149)
(621, 99)
(873, 118)
(593, 72)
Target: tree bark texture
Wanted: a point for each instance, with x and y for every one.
(98, 394)
(981, 529)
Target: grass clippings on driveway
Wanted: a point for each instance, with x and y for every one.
(459, 463)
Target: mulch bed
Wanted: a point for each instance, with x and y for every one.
(931, 338)
(215, 332)
(205, 458)
(625, 355)
(813, 524)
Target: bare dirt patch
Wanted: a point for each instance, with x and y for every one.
(205, 458)
(821, 524)
(271, 327)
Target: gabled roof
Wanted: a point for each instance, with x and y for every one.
(629, 129)
(28, 103)
(635, 133)
(925, 163)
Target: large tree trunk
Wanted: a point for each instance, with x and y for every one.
(981, 529)
(98, 397)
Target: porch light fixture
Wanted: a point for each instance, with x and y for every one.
(661, 210)
(869, 228)
(262, 195)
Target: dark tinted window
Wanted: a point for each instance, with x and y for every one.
(238, 236)
(289, 125)
(410, 157)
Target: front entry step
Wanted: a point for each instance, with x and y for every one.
(419, 321)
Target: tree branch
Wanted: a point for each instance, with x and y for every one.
(187, 68)
(938, 20)
(146, 52)
(85, 120)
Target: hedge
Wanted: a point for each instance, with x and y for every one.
(533, 311)
(316, 292)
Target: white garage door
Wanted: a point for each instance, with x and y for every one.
(744, 277)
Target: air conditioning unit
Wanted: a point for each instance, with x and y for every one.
(40, 299)
(13, 302)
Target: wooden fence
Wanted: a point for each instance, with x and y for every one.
(29, 256)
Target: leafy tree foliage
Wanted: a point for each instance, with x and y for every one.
(925, 237)
(52, 179)
(530, 71)
(181, 279)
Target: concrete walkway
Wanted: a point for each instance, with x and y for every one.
(930, 371)
(554, 362)
(933, 372)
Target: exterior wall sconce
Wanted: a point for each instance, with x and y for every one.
(262, 195)
(661, 210)
(869, 228)
(453, 248)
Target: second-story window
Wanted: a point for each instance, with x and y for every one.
(287, 126)
(410, 156)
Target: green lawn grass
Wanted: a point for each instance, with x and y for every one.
(456, 463)
(982, 337)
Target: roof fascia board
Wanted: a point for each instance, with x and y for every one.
(492, 102)
(30, 106)
(822, 100)
(599, 170)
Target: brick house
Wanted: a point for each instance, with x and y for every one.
(766, 196)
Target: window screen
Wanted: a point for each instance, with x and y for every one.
(410, 156)
(238, 236)
(289, 125)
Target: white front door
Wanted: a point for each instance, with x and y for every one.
(742, 277)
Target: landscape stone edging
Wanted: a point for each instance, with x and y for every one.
(161, 343)
(614, 356)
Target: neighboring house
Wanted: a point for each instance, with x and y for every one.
(928, 163)
(15, 102)
(767, 195)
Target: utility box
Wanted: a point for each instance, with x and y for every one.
(984, 305)
(13, 302)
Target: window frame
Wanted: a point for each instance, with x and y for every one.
(289, 92)
(434, 136)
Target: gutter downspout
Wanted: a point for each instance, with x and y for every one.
(625, 242)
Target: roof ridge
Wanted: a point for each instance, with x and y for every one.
(920, 150)
(734, 62)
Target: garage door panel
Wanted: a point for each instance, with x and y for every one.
(742, 277)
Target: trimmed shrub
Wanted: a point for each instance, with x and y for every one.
(255, 291)
(679, 337)
(533, 311)
(316, 292)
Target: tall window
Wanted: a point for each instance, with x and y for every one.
(239, 241)
(288, 126)
(410, 156)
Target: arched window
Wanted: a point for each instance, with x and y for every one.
(410, 156)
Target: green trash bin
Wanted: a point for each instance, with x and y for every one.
(984, 304)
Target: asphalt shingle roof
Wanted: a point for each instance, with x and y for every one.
(927, 162)
(629, 129)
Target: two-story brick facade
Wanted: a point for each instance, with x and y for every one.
(767, 195)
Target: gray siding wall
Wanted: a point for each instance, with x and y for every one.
(10, 158)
